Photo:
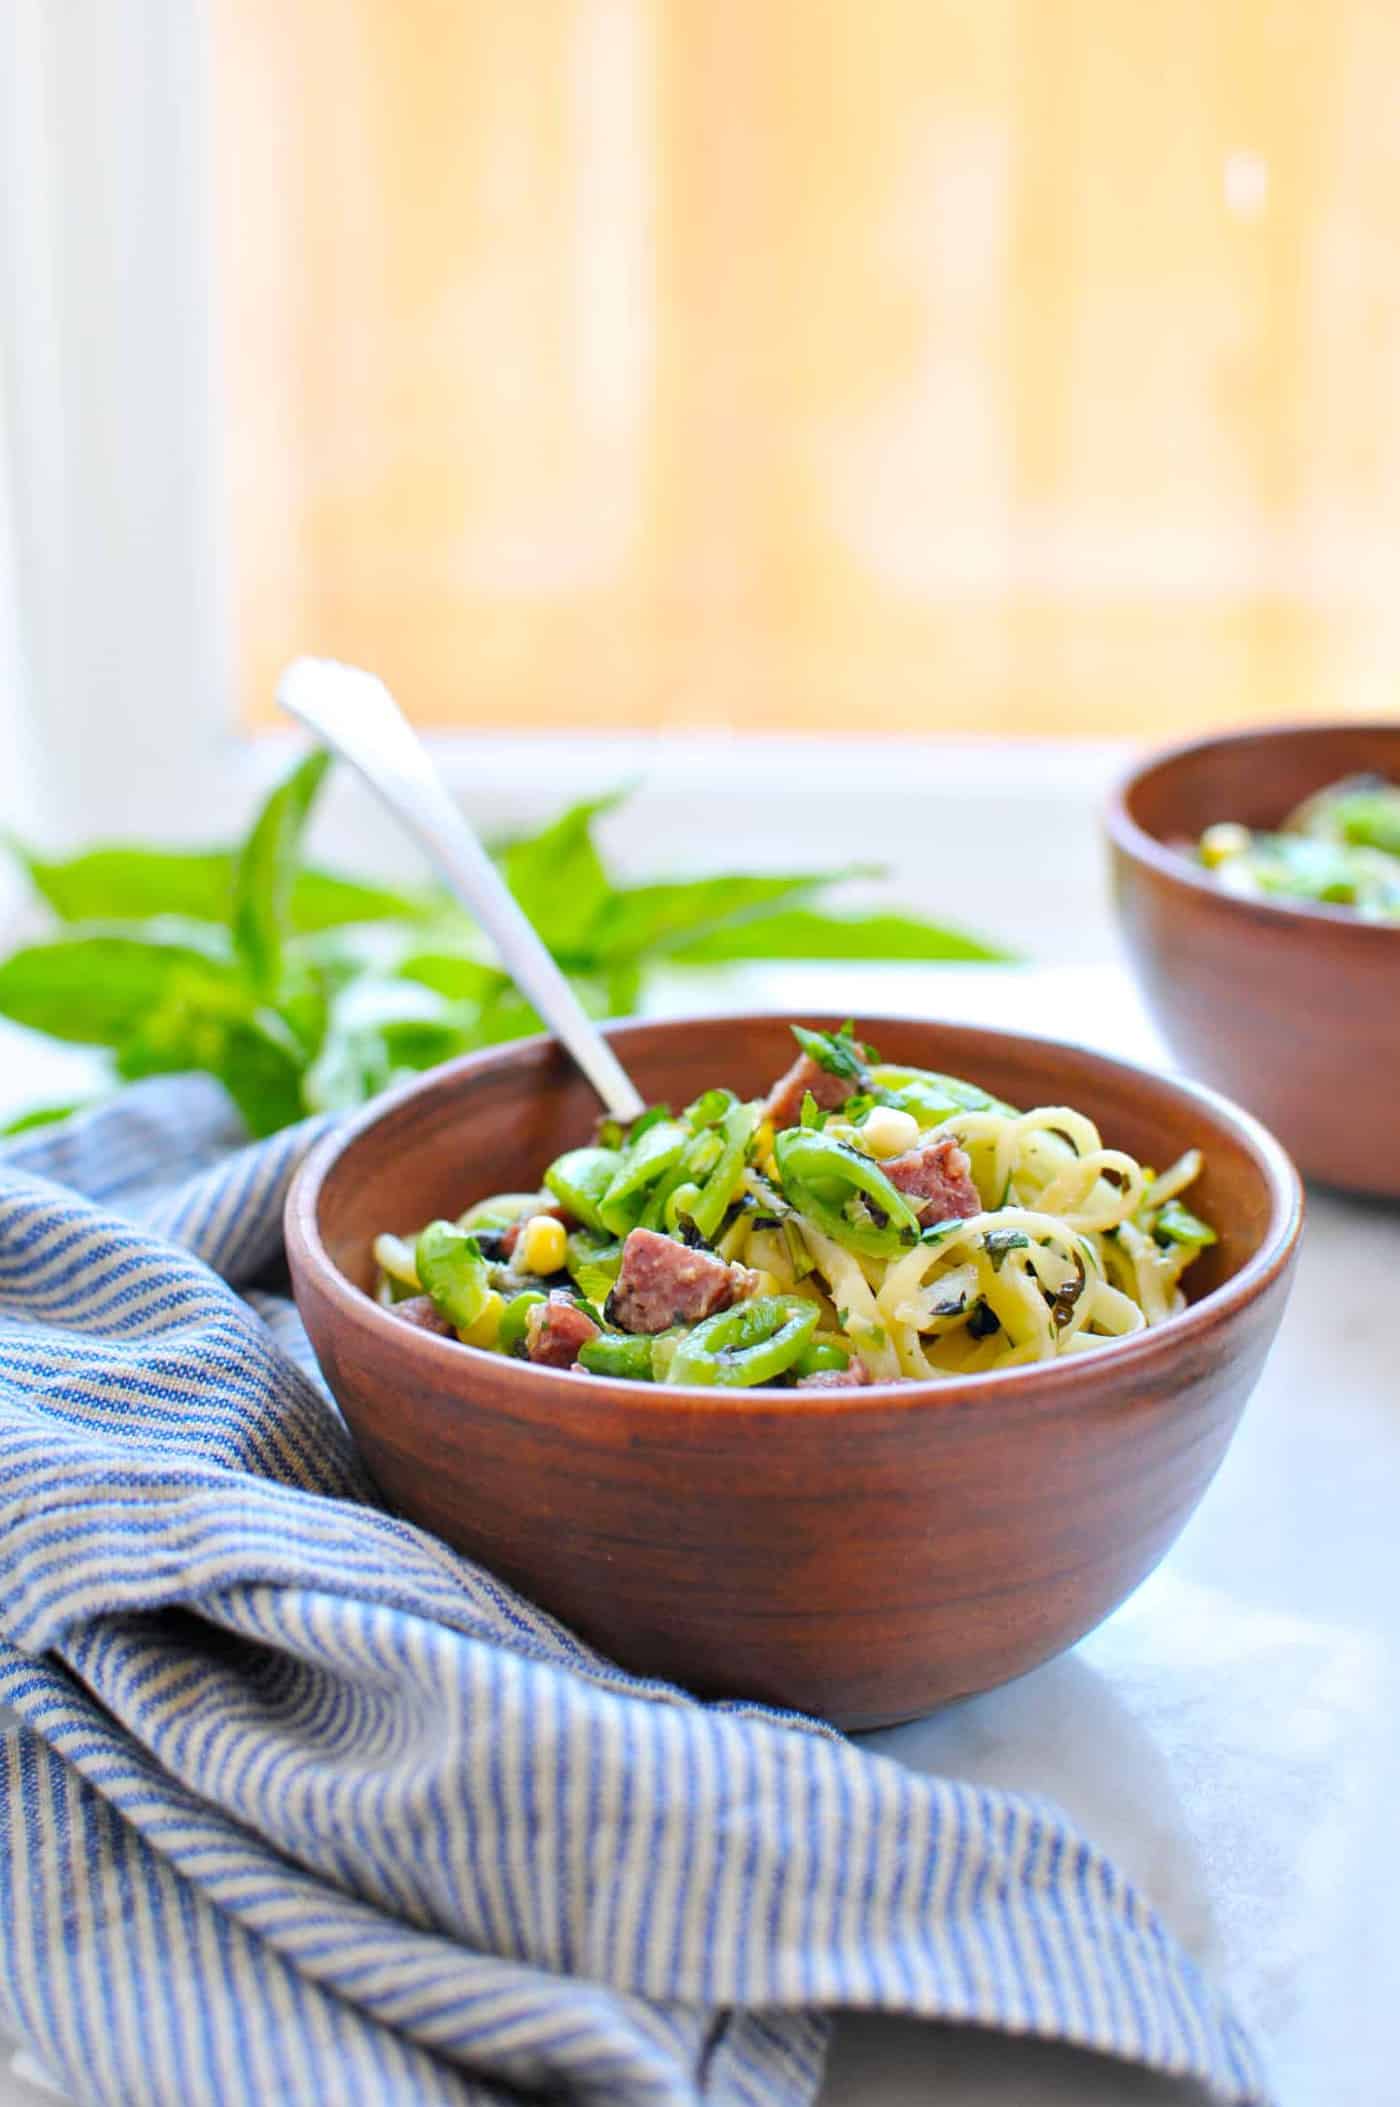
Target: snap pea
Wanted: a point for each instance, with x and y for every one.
(644, 1161)
(615, 1354)
(737, 1128)
(634, 1359)
(751, 1343)
(513, 1320)
(453, 1273)
(822, 1357)
(578, 1180)
(930, 1097)
(1175, 1224)
(822, 1176)
(709, 1109)
(681, 1184)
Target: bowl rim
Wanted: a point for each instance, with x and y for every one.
(1133, 839)
(352, 1305)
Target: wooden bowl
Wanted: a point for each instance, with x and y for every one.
(861, 1554)
(1292, 1009)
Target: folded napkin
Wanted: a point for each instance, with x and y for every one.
(304, 1807)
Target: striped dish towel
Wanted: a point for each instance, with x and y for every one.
(304, 1807)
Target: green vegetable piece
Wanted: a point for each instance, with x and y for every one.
(453, 1273)
(799, 1257)
(1363, 810)
(721, 1187)
(812, 1114)
(266, 869)
(821, 1358)
(617, 1354)
(1175, 1224)
(652, 1117)
(681, 1203)
(579, 1179)
(511, 1336)
(839, 1053)
(931, 1097)
(709, 1109)
(827, 1179)
(751, 1343)
(643, 1162)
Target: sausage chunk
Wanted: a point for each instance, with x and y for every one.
(937, 1181)
(555, 1330)
(421, 1312)
(784, 1105)
(661, 1283)
(849, 1378)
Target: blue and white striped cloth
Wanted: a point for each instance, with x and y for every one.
(303, 1807)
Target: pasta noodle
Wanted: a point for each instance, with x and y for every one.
(910, 1228)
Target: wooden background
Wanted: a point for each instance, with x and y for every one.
(1029, 366)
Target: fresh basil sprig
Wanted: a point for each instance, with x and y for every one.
(304, 989)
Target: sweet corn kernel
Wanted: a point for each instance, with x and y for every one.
(486, 1330)
(542, 1245)
(888, 1131)
(763, 1147)
(1222, 842)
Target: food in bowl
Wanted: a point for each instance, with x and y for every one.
(865, 1222)
(1338, 848)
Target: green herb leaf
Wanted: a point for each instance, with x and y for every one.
(839, 1053)
(96, 988)
(43, 1116)
(266, 870)
(560, 879)
(997, 1243)
(654, 921)
(453, 974)
(800, 932)
(112, 883)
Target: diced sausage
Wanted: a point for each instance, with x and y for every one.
(660, 1283)
(784, 1105)
(555, 1330)
(848, 1378)
(421, 1312)
(937, 1180)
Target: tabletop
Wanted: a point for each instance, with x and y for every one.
(1230, 1733)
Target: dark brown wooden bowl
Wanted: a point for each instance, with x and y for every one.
(862, 1554)
(1292, 1009)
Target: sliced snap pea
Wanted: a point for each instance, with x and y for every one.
(821, 1358)
(822, 1175)
(751, 1343)
(579, 1179)
(511, 1336)
(722, 1184)
(709, 1109)
(644, 1162)
(614, 1354)
(453, 1273)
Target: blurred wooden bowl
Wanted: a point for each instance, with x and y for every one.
(861, 1554)
(1292, 1009)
